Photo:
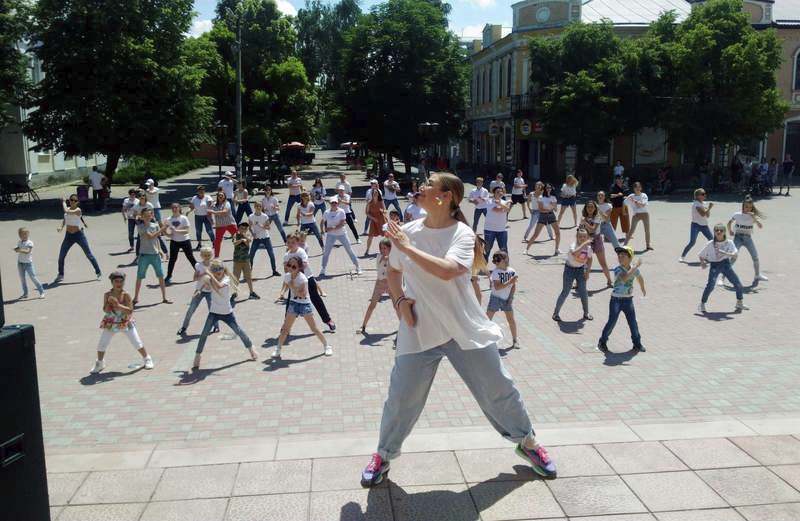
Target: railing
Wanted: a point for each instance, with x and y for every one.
(521, 103)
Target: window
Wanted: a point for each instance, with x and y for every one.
(796, 85)
(508, 80)
(491, 80)
(500, 82)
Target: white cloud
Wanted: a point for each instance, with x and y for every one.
(287, 8)
(471, 31)
(482, 3)
(199, 27)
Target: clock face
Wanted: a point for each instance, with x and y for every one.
(543, 15)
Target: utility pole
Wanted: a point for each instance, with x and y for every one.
(239, 170)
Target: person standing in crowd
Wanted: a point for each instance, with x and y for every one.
(299, 306)
(429, 281)
(547, 204)
(772, 174)
(99, 183)
(318, 198)
(504, 284)
(259, 227)
(569, 197)
(414, 210)
(376, 212)
(305, 216)
(73, 221)
(578, 257)
(619, 170)
(604, 209)
(344, 182)
(480, 198)
(199, 204)
(25, 267)
(152, 193)
(518, 188)
(333, 222)
(241, 257)
(271, 207)
(381, 284)
(718, 253)
(373, 187)
(295, 185)
(619, 212)
(740, 226)
(639, 207)
(241, 199)
(498, 181)
(223, 220)
(118, 318)
(700, 212)
(177, 228)
(138, 209)
(220, 283)
(228, 185)
(149, 233)
(344, 204)
(593, 221)
(533, 206)
(201, 291)
(622, 298)
(787, 171)
(494, 227)
(294, 250)
(129, 215)
(390, 190)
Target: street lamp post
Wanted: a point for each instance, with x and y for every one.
(239, 94)
(220, 130)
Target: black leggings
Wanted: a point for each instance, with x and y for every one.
(351, 224)
(174, 248)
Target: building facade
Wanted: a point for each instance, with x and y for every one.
(504, 133)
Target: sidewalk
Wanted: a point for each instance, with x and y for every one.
(722, 469)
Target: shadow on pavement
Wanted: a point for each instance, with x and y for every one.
(615, 359)
(372, 339)
(571, 327)
(99, 378)
(194, 376)
(273, 364)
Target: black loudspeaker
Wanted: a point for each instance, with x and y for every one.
(23, 476)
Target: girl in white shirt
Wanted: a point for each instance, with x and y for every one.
(700, 212)
(592, 221)
(241, 200)
(504, 284)
(638, 203)
(305, 217)
(741, 227)
(271, 207)
(199, 204)
(533, 206)
(569, 196)
(381, 284)
(547, 204)
(718, 253)
(201, 291)
(152, 197)
(318, 197)
(604, 209)
(429, 272)
(580, 253)
(494, 226)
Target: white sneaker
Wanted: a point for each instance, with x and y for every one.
(148, 362)
(99, 365)
(358, 271)
(681, 259)
(321, 273)
(701, 309)
(763, 277)
(740, 306)
(328, 351)
(277, 352)
(720, 281)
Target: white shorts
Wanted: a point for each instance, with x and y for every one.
(107, 335)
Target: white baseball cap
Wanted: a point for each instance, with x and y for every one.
(149, 182)
(333, 199)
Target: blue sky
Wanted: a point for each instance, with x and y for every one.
(467, 17)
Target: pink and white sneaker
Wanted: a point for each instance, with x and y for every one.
(374, 472)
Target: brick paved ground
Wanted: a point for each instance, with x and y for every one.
(723, 364)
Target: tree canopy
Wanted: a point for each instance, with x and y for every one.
(13, 76)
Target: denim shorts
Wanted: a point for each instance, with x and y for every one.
(497, 304)
(299, 309)
(146, 260)
(568, 201)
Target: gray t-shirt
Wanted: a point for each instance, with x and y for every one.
(146, 244)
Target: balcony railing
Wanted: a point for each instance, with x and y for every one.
(521, 103)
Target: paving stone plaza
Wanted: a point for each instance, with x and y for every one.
(705, 425)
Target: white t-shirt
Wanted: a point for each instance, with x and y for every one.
(138, 207)
(346, 184)
(25, 258)
(334, 218)
(201, 204)
(618, 170)
(715, 251)
(297, 285)
(318, 195)
(152, 197)
(221, 298)
(605, 209)
(127, 207)
(548, 203)
(696, 217)
(295, 185)
(390, 190)
(494, 184)
(517, 188)
(180, 221)
(583, 256)
(257, 225)
(481, 195)
(568, 191)
(303, 256)
(445, 310)
(309, 209)
(743, 223)
(344, 202)
(201, 269)
(415, 211)
(96, 178)
(227, 186)
(642, 198)
(502, 276)
(495, 221)
(269, 202)
(381, 267)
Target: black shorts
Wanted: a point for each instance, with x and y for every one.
(547, 218)
(517, 199)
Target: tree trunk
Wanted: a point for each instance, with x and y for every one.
(112, 161)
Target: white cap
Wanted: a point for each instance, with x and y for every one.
(333, 199)
(149, 182)
(341, 187)
(373, 182)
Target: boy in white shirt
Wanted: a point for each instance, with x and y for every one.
(480, 198)
(390, 191)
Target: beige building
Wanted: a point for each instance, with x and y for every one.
(505, 132)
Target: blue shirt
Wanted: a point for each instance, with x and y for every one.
(623, 289)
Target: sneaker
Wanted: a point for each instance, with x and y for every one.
(275, 274)
(99, 365)
(602, 346)
(321, 274)
(98, 275)
(148, 362)
(276, 353)
(168, 281)
(254, 296)
(23, 296)
(328, 351)
(720, 281)
(702, 309)
(58, 279)
(182, 331)
(359, 271)
(514, 344)
(374, 472)
(538, 459)
(681, 259)
(358, 241)
(215, 329)
(639, 347)
(41, 294)
(557, 252)
(331, 326)
(763, 277)
(740, 306)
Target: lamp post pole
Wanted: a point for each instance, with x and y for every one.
(239, 95)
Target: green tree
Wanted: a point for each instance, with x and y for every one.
(115, 80)
(403, 67)
(13, 76)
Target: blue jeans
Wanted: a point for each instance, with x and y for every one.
(722, 268)
(396, 204)
(319, 208)
(196, 299)
(485, 376)
(157, 215)
(289, 203)
(330, 242)
(201, 221)
(608, 231)
(312, 227)
(746, 241)
(243, 208)
(624, 305)
(490, 236)
(71, 239)
(693, 232)
(131, 229)
(27, 268)
(573, 274)
(230, 320)
(265, 243)
(275, 218)
(476, 217)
